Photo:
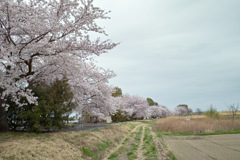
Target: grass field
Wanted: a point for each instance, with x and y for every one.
(199, 124)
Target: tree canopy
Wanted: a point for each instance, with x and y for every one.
(44, 40)
(118, 92)
(151, 102)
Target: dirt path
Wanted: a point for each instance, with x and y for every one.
(215, 147)
(139, 144)
(112, 151)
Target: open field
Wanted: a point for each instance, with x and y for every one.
(196, 124)
(228, 113)
(213, 147)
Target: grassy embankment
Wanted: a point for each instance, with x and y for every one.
(62, 145)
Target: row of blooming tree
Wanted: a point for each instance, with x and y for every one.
(43, 42)
(135, 107)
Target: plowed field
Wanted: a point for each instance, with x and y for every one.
(214, 147)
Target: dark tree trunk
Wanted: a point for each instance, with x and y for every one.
(3, 120)
(3, 115)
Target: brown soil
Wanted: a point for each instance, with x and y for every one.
(214, 147)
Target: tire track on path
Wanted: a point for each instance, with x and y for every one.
(115, 149)
(161, 152)
(140, 147)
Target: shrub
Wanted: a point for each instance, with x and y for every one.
(119, 116)
(212, 112)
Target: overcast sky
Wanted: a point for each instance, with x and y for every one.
(175, 51)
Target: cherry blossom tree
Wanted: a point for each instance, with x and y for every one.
(165, 111)
(158, 111)
(99, 102)
(45, 39)
(42, 40)
(154, 112)
(134, 106)
(181, 110)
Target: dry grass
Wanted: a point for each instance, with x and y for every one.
(196, 124)
(228, 113)
(61, 145)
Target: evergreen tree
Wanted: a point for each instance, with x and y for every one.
(55, 103)
(118, 92)
(151, 102)
(119, 116)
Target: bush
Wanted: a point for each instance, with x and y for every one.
(212, 112)
(119, 116)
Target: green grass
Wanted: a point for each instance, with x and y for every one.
(149, 146)
(138, 135)
(88, 152)
(126, 140)
(118, 139)
(234, 131)
(134, 146)
(132, 126)
(159, 135)
(100, 147)
(104, 145)
(119, 151)
(171, 156)
(133, 149)
(11, 157)
(113, 156)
